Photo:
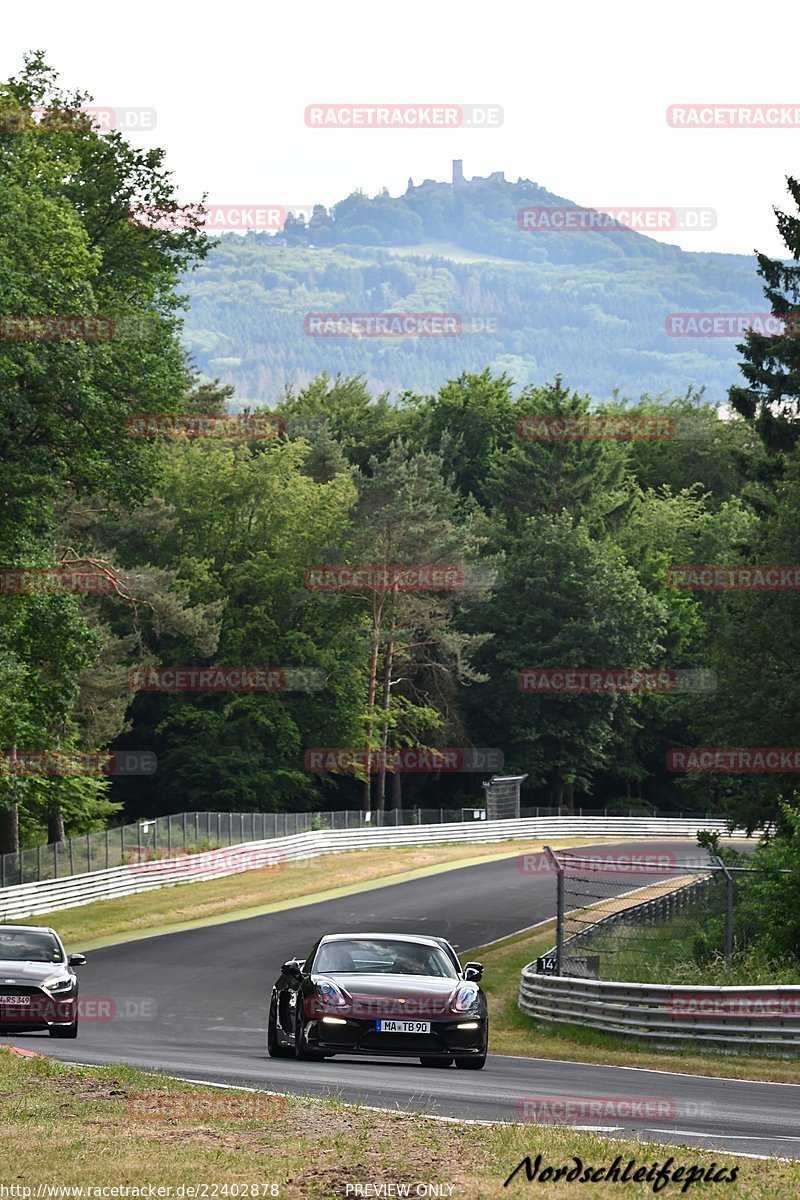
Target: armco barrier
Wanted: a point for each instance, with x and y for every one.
(52, 895)
(656, 1013)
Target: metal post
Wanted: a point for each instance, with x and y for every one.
(108, 851)
(183, 819)
(39, 861)
(88, 853)
(139, 841)
(55, 862)
(553, 861)
(728, 911)
(71, 859)
(122, 845)
(169, 836)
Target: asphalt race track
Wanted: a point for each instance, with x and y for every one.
(194, 1004)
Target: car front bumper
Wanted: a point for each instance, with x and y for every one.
(41, 1013)
(360, 1036)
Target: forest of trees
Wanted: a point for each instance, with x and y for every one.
(565, 546)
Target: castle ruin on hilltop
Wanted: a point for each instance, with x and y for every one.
(458, 179)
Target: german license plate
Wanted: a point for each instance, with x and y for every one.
(15, 999)
(403, 1026)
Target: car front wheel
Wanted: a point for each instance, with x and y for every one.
(274, 1049)
(65, 1031)
(471, 1064)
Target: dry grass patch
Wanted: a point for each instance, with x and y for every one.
(67, 1126)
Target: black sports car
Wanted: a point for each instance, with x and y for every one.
(380, 994)
(38, 986)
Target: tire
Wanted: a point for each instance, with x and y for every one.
(436, 1062)
(300, 1050)
(65, 1031)
(471, 1064)
(274, 1049)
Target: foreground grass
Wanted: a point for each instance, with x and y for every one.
(169, 906)
(115, 1126)
(511, 1032)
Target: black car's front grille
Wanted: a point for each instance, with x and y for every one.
(414, 1043)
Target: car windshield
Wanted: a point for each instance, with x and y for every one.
(391, 957)
(21, 945)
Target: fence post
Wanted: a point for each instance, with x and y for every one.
(39, 861)
(88, 853)
(108, 851)
(71, 859)
(728, 911)
(183, 821)
(559, 908)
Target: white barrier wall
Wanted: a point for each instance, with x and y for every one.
(53, 895)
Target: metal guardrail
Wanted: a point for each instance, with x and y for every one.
(44, 896)
(658, 1013)
(206, 830)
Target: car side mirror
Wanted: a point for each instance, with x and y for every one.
(473, 971)
(77, 960)
(293, 967)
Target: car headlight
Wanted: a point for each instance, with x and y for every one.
(59, 984)
(464, 998)
(330, 995)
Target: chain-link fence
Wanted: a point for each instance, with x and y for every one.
(643, 916)
(194, 831)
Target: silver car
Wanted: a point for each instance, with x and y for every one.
(38, 986)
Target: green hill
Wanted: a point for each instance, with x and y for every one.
(589, 305)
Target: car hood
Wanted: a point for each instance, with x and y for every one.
(29, 972)
(390, 995)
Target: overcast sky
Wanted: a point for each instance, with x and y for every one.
(584, 90)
